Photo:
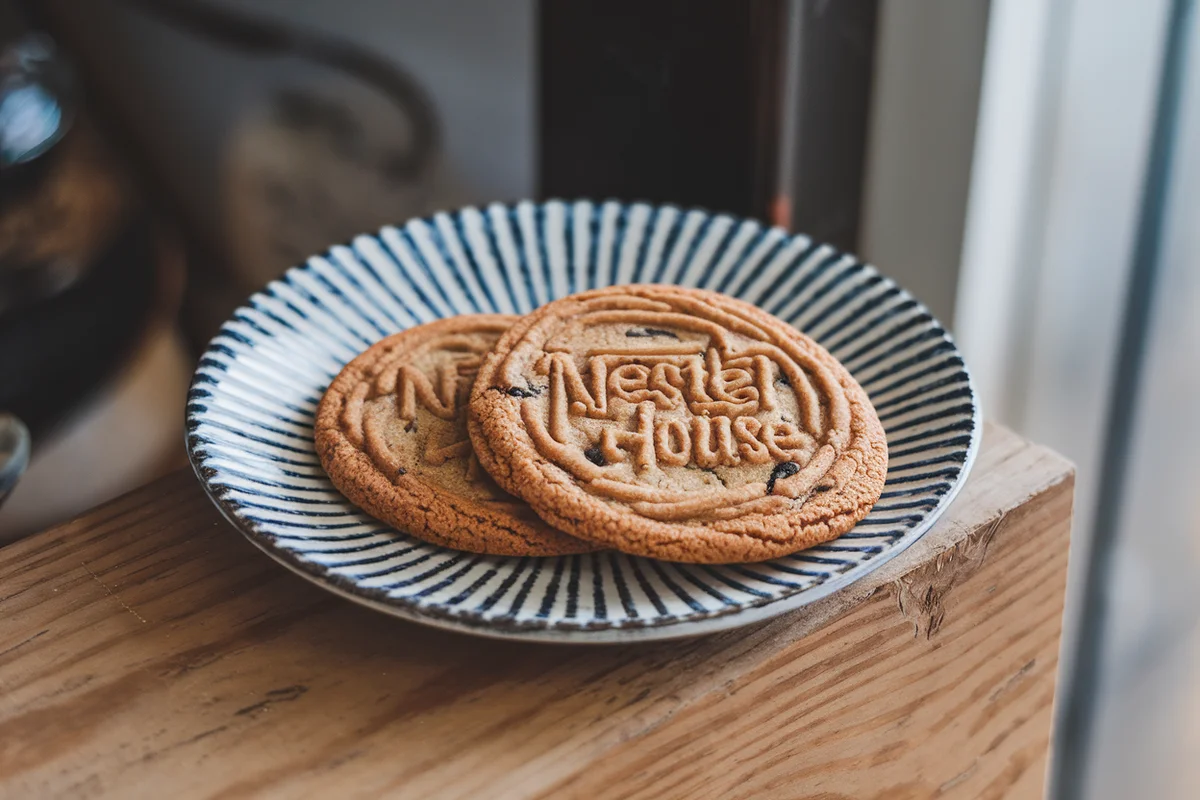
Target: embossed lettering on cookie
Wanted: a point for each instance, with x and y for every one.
(678, 424)
(391, 433)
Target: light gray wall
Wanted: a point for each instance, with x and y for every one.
(929, 64)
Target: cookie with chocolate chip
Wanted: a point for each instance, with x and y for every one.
(678, 424)
(391, 433)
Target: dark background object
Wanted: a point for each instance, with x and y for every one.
(202, 255)
(14, 452)
(77, 261)
(674, 101)
(56, 353)
(213, 291)
(837, 50)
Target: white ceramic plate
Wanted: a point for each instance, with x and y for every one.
(250, 412)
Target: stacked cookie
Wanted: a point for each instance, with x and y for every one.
(661, 421)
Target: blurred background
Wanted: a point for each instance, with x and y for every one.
(1029, 169)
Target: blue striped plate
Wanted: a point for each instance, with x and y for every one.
(250, 412)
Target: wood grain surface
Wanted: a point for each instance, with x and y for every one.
(146, 649)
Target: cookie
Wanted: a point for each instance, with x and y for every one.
(391, 433)
(678, 424)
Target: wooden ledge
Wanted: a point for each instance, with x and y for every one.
(147, 645)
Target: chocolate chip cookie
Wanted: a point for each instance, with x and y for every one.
(391, 433)
(678, 424)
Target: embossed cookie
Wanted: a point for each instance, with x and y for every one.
(391, 433)
(679, 424)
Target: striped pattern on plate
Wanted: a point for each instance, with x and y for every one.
(251, 405)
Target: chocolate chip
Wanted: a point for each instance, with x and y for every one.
(783, 379)
(411, 426)
(646, 333)
(594, 455)
(517, 391)
(782, 470)
(401, 471)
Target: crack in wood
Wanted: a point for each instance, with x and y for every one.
(24, 642)
(111, 593)
(284, 695)
(921, 594)
(1013, 680)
